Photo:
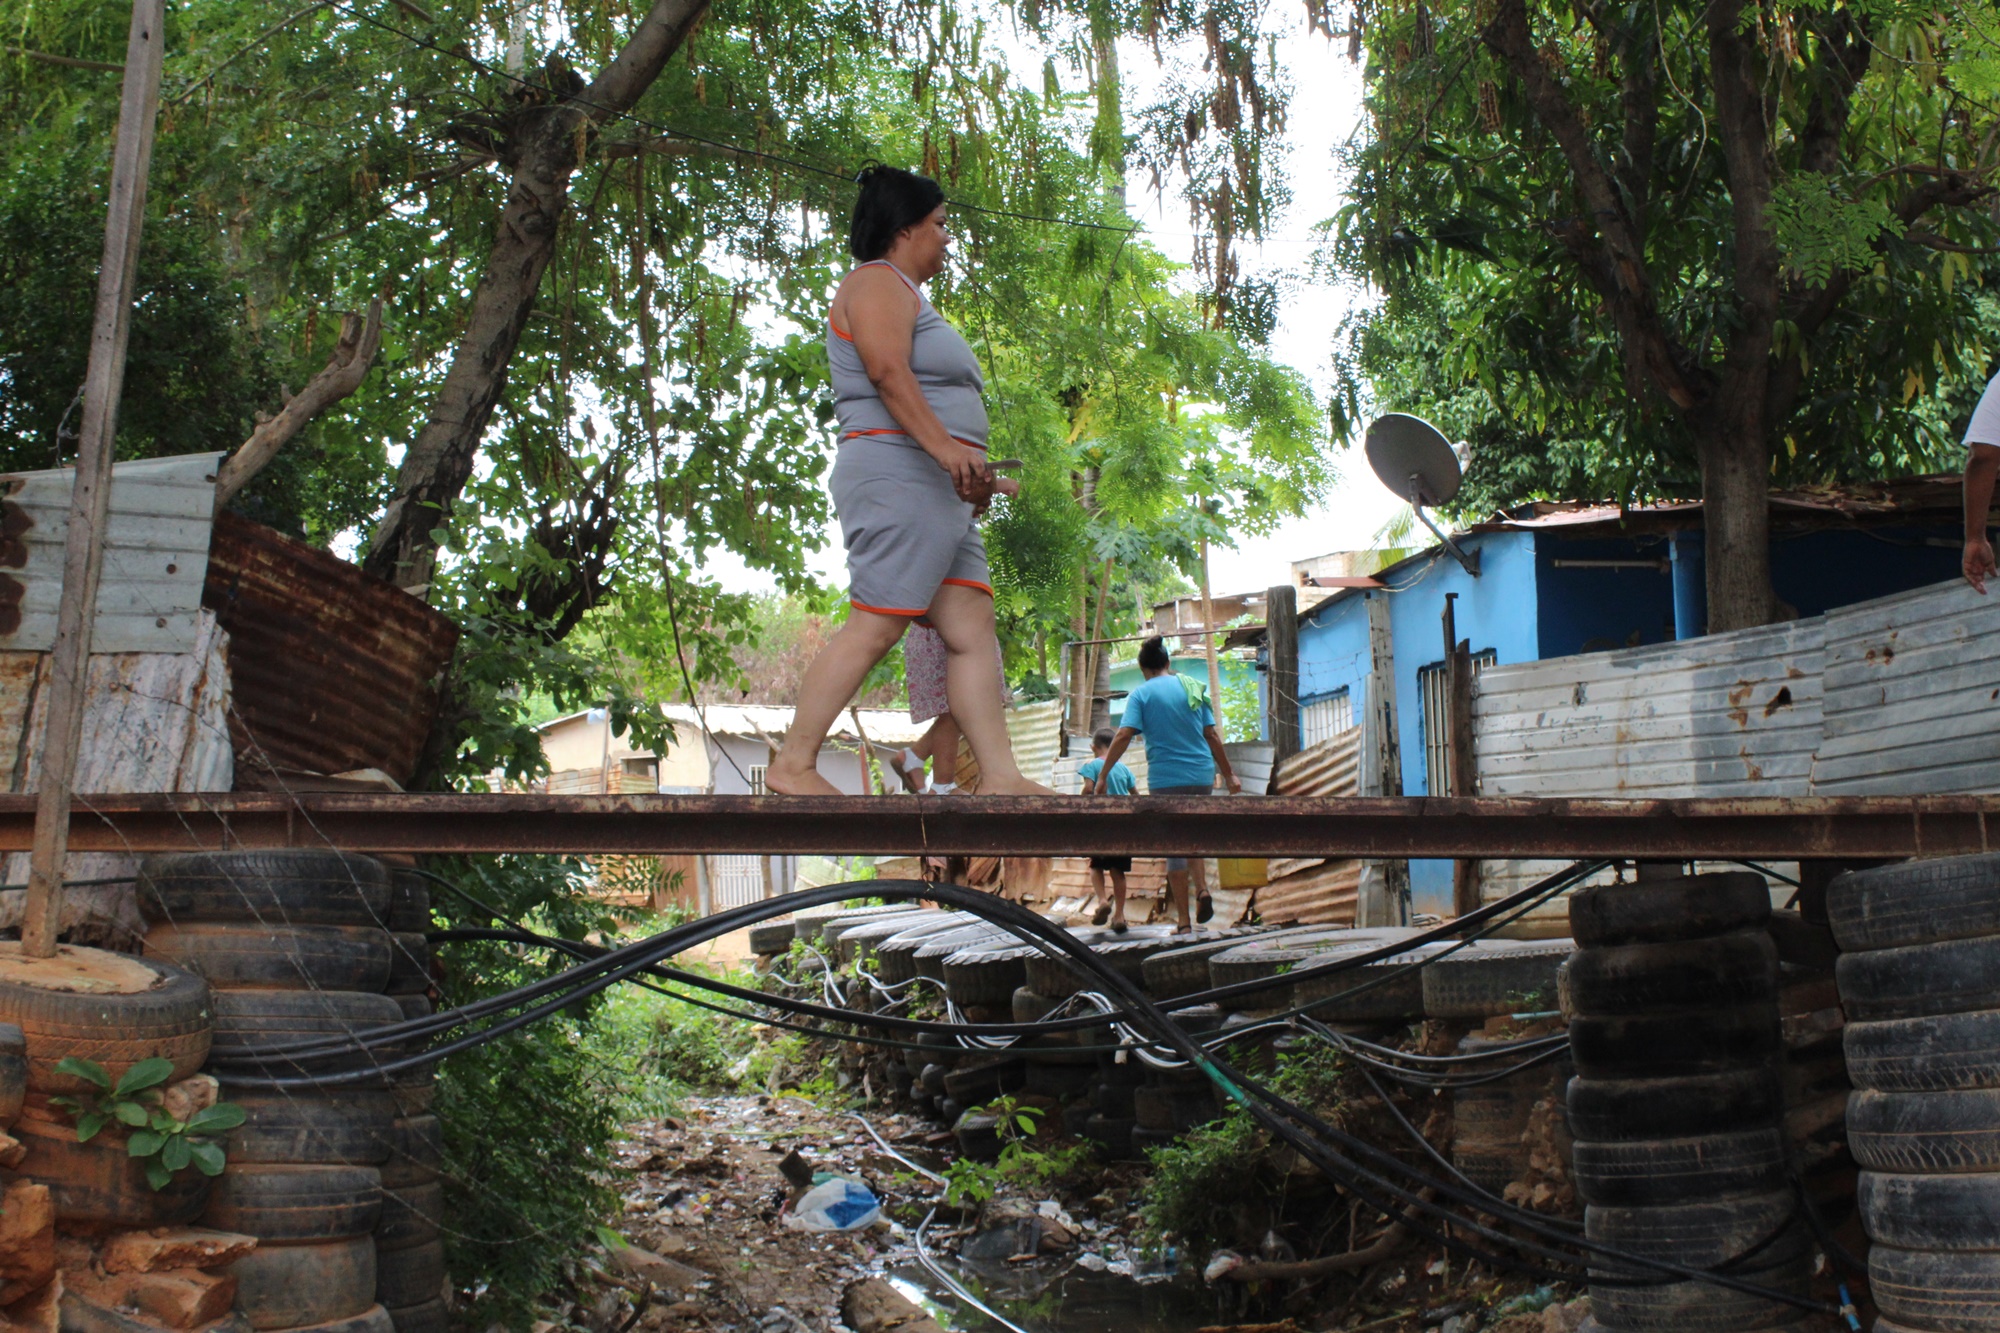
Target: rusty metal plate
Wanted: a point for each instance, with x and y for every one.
(332, 669)
(1373, 827)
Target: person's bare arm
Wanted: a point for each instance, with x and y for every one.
(881, 316)
(1119, 744)
(1982, 465)
(1214, 739)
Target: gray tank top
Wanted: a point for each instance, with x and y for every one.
(946, 371)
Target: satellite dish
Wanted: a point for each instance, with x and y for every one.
(1413, 459)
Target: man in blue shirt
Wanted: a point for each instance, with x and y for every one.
(1119, 782)
(1183, 753)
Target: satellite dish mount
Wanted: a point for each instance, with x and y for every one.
(1412, 458)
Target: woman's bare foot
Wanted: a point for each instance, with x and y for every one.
(1014, 786)
(786, 780)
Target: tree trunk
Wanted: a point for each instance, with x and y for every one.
(544, 153)
(1736, 514)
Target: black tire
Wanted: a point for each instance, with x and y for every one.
(1658, 911)
(1287, 952)
(238, 954)
(1915, 902)
(1925, 1132)
(1802, 943)
(855, 940)
(414, 1006)
(1918, 980)
(409, 901)
(1491, 979)
(410, 1216)
(1389, 991)
(1046, 1078)
(171, 1018)
(409, 965)
(1673, 1171)
(976, 977)
(977, 1133)
(416, 1151)
(1757, 1236)
(13, 1072)
(1944, 1053)
(1172, 973)
(1936, 1290)
(931, 953)
(1670, 1045)
(430, 1317)
(346, 1127)
(1031, 1006)
(1112, 1134)
(1740, 968)
(290, 1286)
(983, 1080)
(248, 1019)
(1116, 1100)
(410, 1277)
(1173, 1111)
(1624, 1110)
(770, 938)
(290, 1205)
(1931, 1212)
(297, 888)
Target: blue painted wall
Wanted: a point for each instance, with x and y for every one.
(1126, 677)
(1590, 610)
(1818, 571)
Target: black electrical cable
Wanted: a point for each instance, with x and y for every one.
(1472, 927)
(1280, 1116)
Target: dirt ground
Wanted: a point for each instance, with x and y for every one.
(706, 1194)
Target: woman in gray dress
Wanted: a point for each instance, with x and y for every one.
(909, 483)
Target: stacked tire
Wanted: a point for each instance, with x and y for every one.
(1676, 1105)
(409, 1244)
(1501, 984)
(1919, 977)
(296, 949)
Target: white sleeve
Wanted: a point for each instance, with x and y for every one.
(1984, 428)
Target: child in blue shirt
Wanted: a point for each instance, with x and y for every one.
(1118, 783)
(1183, 753)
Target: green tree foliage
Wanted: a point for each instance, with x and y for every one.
(666, 399)
(1640, 250)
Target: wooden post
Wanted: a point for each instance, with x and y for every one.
(90, 501)
(869, 774)
(1459, 770)
(1208, 643)
(704, 890)
(1384, 895)
(1281, 624)
(770, 875)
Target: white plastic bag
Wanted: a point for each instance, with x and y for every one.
(838, 1204)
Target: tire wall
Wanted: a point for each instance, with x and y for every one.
(1920, 947)
(1674, 999)
(339, 1185)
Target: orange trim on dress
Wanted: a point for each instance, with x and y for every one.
(986, 588)
(843, 333)
(886, 610)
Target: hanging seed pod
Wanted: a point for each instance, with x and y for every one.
(1489, 105)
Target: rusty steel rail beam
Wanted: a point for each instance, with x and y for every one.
(1384, 827)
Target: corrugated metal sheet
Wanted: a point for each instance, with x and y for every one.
(152, 722)
(1036, 732)
(1912, 695)
(333, 669)
(1725, 715)
(155, 555)
(1315, 891)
